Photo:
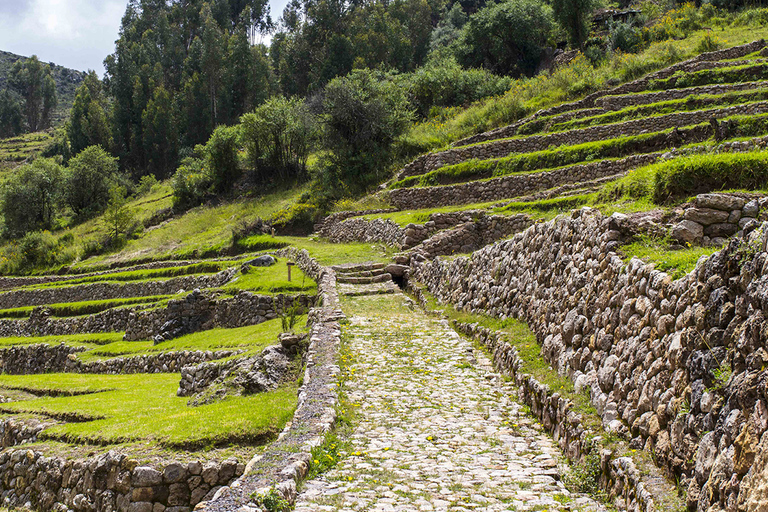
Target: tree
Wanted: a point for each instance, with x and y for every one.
(90, 175)
(30, 197)
(88, 122)
(34, 81)
(278, 136)
(488, 41)
(221, 158)
(160, 134)
(574, 16)
(11, 115)
(363, 114)
(118, 216)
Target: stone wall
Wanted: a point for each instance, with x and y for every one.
(108, 482)
(105, 291)
(470, 236)
(504, 147)
(712, 218)
(322, 227)
(513, 185)
(635, 86)
(621, 102)
(46, 358)
(675, 366)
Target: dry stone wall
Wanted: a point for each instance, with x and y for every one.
(109, 482)
(676, 366)
(714, 217)
(514, 185)
(589, 101)
(501, 148)
(470, 236)
(630, 100)
(61, 358)
(105, 291)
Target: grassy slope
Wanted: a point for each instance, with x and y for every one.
(15, 150)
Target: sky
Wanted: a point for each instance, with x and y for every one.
(77, 34)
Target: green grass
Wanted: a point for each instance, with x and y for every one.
(75, 340)
(90, 307)
(272, 279)
(744, 73)
(690, 103)
(567, 83)
(675, 262)
(142, 275)
(403, 218)
(125, 408)
(251, 338)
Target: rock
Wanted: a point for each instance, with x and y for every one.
(687, 231)
(721, 230)
(144, 476)
(266, 260)
(723, 202)
(397, 270)
(753, 490)
(751, 209)
(174, 473)
(706, 216)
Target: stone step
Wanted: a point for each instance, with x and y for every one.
(362, 273)
(358, 267)
(350, 290)
(364, 280)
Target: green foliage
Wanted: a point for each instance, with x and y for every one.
(11, 115)
(298, 218)
(221, 158)
(118, 215)
(278, 136)
(88, 122)
(146, 185)
(90, 175)
(444, 83)
(364, 113)
(33, 80)
(585, 476)
(160, 122)
(271, 500)
(574, 17)
(190, 184)
(35, 249)
(487, 40)
(30, 197)
(675, 261)
(289, 318)
(686, 176)
(625, 37)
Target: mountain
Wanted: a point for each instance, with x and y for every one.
(67, 82)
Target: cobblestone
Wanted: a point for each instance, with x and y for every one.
(435, 428)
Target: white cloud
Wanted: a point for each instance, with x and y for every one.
(74, 33)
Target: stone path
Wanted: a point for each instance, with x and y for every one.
(435, 427)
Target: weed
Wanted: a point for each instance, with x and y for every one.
(272, 500)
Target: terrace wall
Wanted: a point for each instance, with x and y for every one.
(648, 349)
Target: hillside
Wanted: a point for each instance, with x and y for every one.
(67, 82)
(559, 303)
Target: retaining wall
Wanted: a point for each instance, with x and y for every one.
(513, 185)
(105, 291)
(649, 349)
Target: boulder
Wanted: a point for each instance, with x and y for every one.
(721, 230)
(396, 270)
(266, 260)
(706, 216)
(687, 231)
(723, 202)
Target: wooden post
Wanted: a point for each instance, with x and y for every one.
(290, 264)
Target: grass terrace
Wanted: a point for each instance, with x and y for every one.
(113, 409)
(69, 309)
(88, 341)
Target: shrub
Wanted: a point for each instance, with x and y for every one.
(278, 136)
(190, 184)
(625, 37)
(37, 249)
(146, 184)
(88, 179)
(221, 158)
(30, 197)
(444, 83)
(363, 113)
(118, 216)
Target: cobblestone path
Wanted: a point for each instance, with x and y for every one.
(435, 427)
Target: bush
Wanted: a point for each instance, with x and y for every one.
(278, 136)
(31, 196)
(488, 42)
(190, 184)
(221, 158)
(444, 83)
(363, 113)
(146, 184)
(88, 179)
(625, 37)
(37, 249)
